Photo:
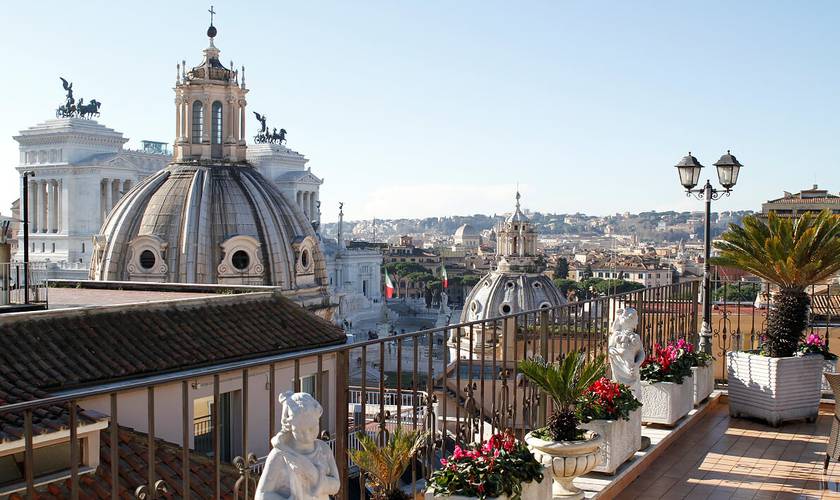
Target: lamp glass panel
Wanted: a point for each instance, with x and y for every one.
(689, 176)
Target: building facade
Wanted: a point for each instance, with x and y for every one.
(812, 200)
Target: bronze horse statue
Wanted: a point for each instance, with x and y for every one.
(88, 110)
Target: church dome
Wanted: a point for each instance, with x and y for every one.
(501, 293)
(467, 231)
(207, 222)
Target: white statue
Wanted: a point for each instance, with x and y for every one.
(626, 350)
(444, 302)
(300, 466)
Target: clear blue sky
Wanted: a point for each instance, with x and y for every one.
(433, 108)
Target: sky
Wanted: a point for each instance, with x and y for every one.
(422, 109)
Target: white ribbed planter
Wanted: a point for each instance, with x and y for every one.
(667, 402)
(622, 439)
(829, 366)
(774, 389)
(566, 460)
(530, 491)
(704, 382)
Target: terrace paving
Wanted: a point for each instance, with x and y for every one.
(722, 457)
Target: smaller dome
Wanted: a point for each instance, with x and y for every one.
(501, 293)
(466, 230)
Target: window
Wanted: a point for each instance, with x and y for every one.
(147, 259)
(304, 259)
(240, 260)
(83, 247)
(197, 122)
(216, 130)
(53, 248)
(46, 460)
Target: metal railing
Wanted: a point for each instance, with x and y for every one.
(459, 383)
(14, 288)
(739, 316)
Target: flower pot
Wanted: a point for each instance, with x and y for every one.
(667, 402)
(704, 382)
(530, 491)
(622, 439)
(567, 460)
(774, 389)
(829, 366)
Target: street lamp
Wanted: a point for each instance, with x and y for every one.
(25, 208)
(689, 169)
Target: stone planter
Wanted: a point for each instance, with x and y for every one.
(704, 382)
(530, 491)
(829, 366)
(774, 389)
(667, 402)
(567, 460)
(622, 439)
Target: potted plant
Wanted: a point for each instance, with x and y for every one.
(774, 384)
(814, 344)
(500, 468)
(606, 409)
(384, 465)
(702, 371)
(667, 384)
(569, 450)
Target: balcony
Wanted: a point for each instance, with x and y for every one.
(207, 429)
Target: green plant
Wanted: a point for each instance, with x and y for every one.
(790, 253)
(498, 467)
(384, 465)
(564, 382)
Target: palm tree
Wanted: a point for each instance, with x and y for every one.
(385, 464)
(790, 253)
(564, 382)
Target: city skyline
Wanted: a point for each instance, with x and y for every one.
(419, 111)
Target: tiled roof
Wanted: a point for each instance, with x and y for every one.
(58, 350)
(133, 467)
(806, 201)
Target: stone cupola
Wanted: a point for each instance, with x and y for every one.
(210, 110)
(516, 246)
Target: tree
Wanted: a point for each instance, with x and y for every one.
(566, 286)
(790, 253)
(561, 269)
(737, 292)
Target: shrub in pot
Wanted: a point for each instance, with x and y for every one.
(609, 409)
(667, 384)
(500, 468)
(815, 344)
(791, 254)
(562, 445)
(702, 372)
(383, 465)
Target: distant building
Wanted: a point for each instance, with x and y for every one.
(406, 252)
(812, 200)
(467, 237)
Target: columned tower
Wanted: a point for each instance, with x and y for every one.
(210, 110)
(516, 246)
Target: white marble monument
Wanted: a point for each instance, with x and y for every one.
(300, 466)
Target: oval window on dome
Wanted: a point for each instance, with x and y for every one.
(147, 259)
(304, 259)
(537, 284)
(505, 308)
(545, 305)
(240, 260)
(510, 284)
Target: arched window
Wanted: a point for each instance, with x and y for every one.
(216, 130)
(197, 122)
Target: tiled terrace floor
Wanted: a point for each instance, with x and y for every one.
(733, 458)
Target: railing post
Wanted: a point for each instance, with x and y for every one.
(342, 375)
(543, 413)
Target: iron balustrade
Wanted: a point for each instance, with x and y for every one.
(458, 383)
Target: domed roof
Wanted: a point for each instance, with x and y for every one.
(500, 293)
(466, 230)
(204, 222)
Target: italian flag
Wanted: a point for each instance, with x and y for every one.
(389, 286)
(443, 277)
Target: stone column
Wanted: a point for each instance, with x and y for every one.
(115, 193)
(33, 206)
(242, 104)
(60, 205)
(208, 112)
(42, 194)
(52, 186)
(106, 186)
(237, 108)
(306, 204)
(177, 119)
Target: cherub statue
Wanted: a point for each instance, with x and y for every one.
(626, 350)
(300, 466)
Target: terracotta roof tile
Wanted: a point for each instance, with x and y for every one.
(64, 349)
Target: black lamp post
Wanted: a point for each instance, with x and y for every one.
(25, 208)
(689, 169)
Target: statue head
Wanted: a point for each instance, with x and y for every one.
(300, 414)
(626, 320)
